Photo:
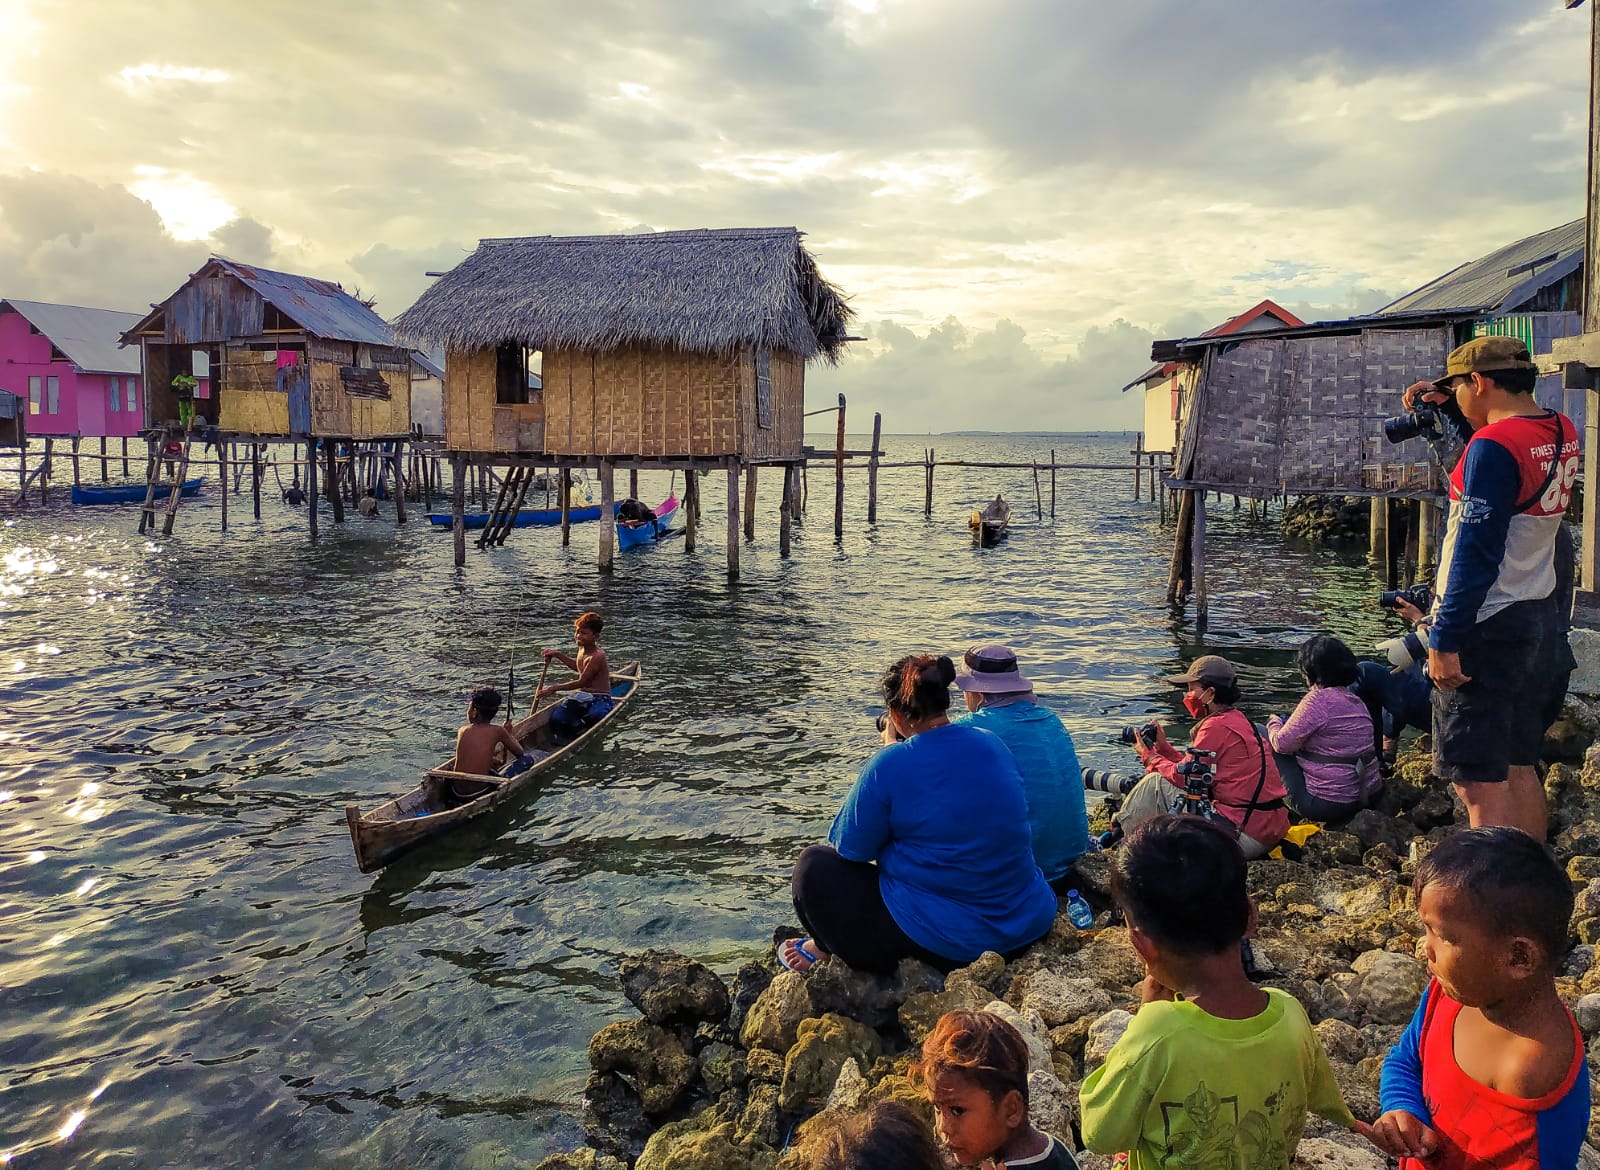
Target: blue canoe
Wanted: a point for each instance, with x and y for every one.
(132, 493)
(633, 533)
(527, 518)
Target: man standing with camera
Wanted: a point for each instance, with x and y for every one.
(1495, 603)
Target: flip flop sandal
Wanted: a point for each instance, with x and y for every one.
(807, 958)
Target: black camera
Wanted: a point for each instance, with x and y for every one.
(1094, 780)
(1420, 596)
(884, 725)
(1423, 419)
(1198, 777)
(1145, 735)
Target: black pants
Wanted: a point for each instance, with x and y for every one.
(842, 909)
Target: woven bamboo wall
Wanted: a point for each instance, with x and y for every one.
(1303, 414)
(785, 437)
(641, 402)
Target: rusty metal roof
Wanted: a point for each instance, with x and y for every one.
(1503, 279)
(91, 338)
(319, 307)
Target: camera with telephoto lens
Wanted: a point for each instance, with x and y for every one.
(1094, 780)
(1420, 596)
(1146, 735)
(884, 725)
(1423, 419)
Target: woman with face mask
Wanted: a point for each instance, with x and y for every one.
(1247, 792)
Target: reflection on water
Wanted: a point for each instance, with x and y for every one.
(194, 973)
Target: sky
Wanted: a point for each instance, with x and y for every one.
(1018, 196)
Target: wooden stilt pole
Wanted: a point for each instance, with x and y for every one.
(105, 462)
(566, 506)
(1178, 569)
(458, 506)
(838, 477)
(733, 519)
(1138, 462)
(633, 483)
(125, 471)
(46, 468)
(311, 483)
(805, 487)
(222, 472)
(77, 479)
(399, 484)
(1427, 539)
(1202, 595)
(691, 507)
(872, 469)
(255, 479)
(927, 484)
(785, 513)
(1038, 500)
(1052, 483)
(1378, 533)
(750, 501)
(608, 516)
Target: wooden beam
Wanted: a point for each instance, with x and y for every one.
(785, 510)
(872, 469)
(458, 508)
(750, 501)
(733, 519)
(608, 517)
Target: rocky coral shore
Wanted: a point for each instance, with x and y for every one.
(1328, 518)
(718, 1076)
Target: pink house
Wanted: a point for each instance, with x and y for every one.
(67, 365)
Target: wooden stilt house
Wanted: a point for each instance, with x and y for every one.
(290, 358)
(683, 348)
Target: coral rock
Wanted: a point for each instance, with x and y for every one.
(669, 988)
(774, 1018)
(1103, 1036)
(822, 1047)
(1343, 1042)
(654, 1059)
(1330, 1154)
(683, 1145)
(584, 1159)
(1391, 985)
(1059, 999)
(920, 1013)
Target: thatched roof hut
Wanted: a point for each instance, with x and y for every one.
(689, 343)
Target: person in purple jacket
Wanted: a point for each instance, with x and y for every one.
(1328, 748)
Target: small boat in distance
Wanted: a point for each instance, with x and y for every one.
(132, 493)
(633, 533)
(422, 814)
(989, 525)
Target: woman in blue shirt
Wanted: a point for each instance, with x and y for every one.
(930, 855)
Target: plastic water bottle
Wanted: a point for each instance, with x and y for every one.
(1078, 911)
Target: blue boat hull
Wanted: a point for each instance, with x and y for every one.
(648, 532)
(527, 518)
(131, 494)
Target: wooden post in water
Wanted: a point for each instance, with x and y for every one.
(105, 462)
(399, 484)
(46, 468)
(838, 474)
(805, 488)
(1038, 501)
(77, 479)
(125, 471)
(1052, 483)
(1202, 596)
(566, 506)
(1378, 533)
(785, 513)
(255, 478)
(22, 478)
(458, 507)
(608, 515)
(1138, 462)
(1178, 569)
(311, 483)
(750, 501)
(872, 469)
(691, 507)
(633, 483)
(222, 472)
(927, 482)
(1427, 539)
(733, 519)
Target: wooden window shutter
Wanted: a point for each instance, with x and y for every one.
(763, 389)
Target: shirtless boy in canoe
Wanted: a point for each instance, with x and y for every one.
(475, 744)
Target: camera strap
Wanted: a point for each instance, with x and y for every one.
(1550, 476)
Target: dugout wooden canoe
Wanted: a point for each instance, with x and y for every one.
(989, 525)
(399, 825)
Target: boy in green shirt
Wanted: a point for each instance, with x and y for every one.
(1213, 1072)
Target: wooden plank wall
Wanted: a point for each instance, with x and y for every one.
(334, 412)
(251, 402)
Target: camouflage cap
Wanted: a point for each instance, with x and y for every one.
(1485, 355)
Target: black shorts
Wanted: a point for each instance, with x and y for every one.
(1495, 721)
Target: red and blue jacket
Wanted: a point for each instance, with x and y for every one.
(1507, 497)
(1480, 1128)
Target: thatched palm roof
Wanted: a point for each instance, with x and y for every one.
(708, 291)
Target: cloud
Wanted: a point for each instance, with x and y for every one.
(1048, 168)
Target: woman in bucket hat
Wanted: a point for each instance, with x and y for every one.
(1002, 700)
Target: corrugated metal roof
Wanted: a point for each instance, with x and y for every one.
(430, 360)
(89, 337)
(317, 306)
(1504, 278)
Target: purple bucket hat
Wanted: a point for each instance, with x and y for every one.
(991, 670)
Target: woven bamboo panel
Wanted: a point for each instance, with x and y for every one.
(627, 407)
(249, 369)
(481, 400)
(255, 412)
(677, 407)
(558, 400)
(583, 390)
(1304, 414)
(455, 400)
(789, 400)
(654, 393)
(330, 406)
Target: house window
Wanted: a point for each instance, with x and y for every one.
(115, 396)
(35, 389)
(133, 401)
(52, 395)
(516, 374)
(763, 389)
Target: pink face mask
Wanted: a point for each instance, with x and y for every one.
(1194, 704)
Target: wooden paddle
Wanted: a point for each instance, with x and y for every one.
(539, 688)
